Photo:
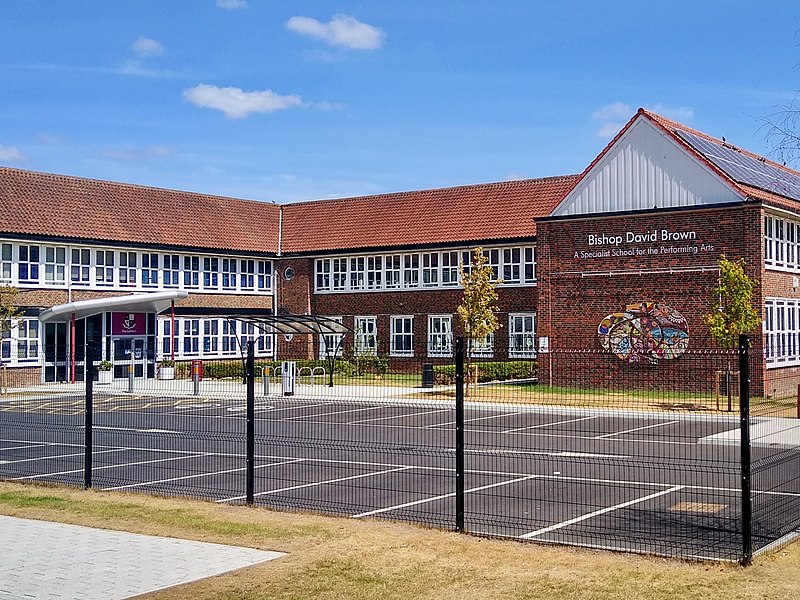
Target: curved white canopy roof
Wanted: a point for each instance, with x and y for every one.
(146, 302)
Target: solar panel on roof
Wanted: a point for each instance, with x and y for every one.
(743, 168)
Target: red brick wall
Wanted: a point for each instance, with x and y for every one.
(578, 290)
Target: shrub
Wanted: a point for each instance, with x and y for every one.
(489, 371)
(234, 369)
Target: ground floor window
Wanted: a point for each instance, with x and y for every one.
(781, 332)
(521, 335)
(402, 338)
(440, 335)
(329, 343)
(483, 347)
(19, 342)
(366, 336)
(211, 337)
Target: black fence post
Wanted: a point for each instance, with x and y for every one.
(88, 375)
(744, 425)
(460, 434)
(250, 375)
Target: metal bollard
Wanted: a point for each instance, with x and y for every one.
(196, 379)
(130, 377)
(265, 381)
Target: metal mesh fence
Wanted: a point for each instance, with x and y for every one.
(569, 447)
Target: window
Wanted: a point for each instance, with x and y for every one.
(247, 274)
(228, 273)
(440, 335)
(211, 273)
(5, 344)
(430, 269)
(411, 270)
(55, 265)
(28, 263)
(104, 267)
(171, 270)
(191, 336)
(323, 274)
(512, 265)
(149, 269)
(5, 263)
(230, 343)
(329, 343)
(374, 272)
(522, 335)
(493, 260)
(210, 336)
(402, 338)
(781, 243)
(482, 347)
(81, 266)
(357, 273)
(781, 332)
(530, 264)
(264, 275)
(28, 340)
(450, 268)
(191, 271)
(366, 336)
(393, 264)
(339, 273)
(166, 338)
(127, 269)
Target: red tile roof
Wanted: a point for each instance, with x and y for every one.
(489, 211)
(70, 207)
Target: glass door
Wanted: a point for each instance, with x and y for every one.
(130, 352)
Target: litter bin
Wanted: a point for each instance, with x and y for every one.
(197, 369)
(427, 375)
(288, 374)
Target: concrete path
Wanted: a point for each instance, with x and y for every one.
(56, 561)
(768, 433)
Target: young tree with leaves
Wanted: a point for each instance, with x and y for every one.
(478, 309)
(732, 312)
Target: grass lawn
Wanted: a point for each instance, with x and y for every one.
(337, 558)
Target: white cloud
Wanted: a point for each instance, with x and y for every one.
(341, 30)
(11, 154)
(236, 103)
(618, 111)
(144, 46)
(232, 4)
(677, 113)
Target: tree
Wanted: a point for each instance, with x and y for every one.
(8, 309)
(782, 132)
(732, 312)
(478, 309)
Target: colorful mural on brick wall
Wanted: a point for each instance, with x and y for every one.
(645, 332)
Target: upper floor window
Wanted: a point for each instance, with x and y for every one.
(104, 267)
(28, 263)
(229, 273)
(5, 262)
(264, 275)
(127, 268)
(191, 271)
(81, 266)
(781, 243)
(171, 269)
(247, 274)
(55, 265)
(149, 269)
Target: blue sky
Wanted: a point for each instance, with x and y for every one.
(286, 101)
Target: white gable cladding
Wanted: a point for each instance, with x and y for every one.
(644, 169)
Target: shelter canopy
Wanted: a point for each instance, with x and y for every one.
(148, 302)
(294, 324)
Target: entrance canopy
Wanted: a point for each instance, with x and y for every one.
(148, 302)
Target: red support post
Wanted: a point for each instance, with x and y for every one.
(72, 350)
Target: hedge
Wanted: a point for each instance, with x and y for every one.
(489, 371)
(234, 369)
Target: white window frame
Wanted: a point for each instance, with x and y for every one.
(366, 336)
(30, 264)
(781, 329)
(406, 333)
(55, 265)
(521, 338)
(330, 343)
(440, 335)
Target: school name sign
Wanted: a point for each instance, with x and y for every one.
(642, 243)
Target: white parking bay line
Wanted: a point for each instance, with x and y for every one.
(550, 424)
(434, 498)
(336, 412)
(403, 416)
(602, 511)
(9, 462)
(144, 483)
(143, 462)
(23, 447)
(500, 416)
(607, 435)
(317, 483)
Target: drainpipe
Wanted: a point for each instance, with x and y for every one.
(72, 350)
